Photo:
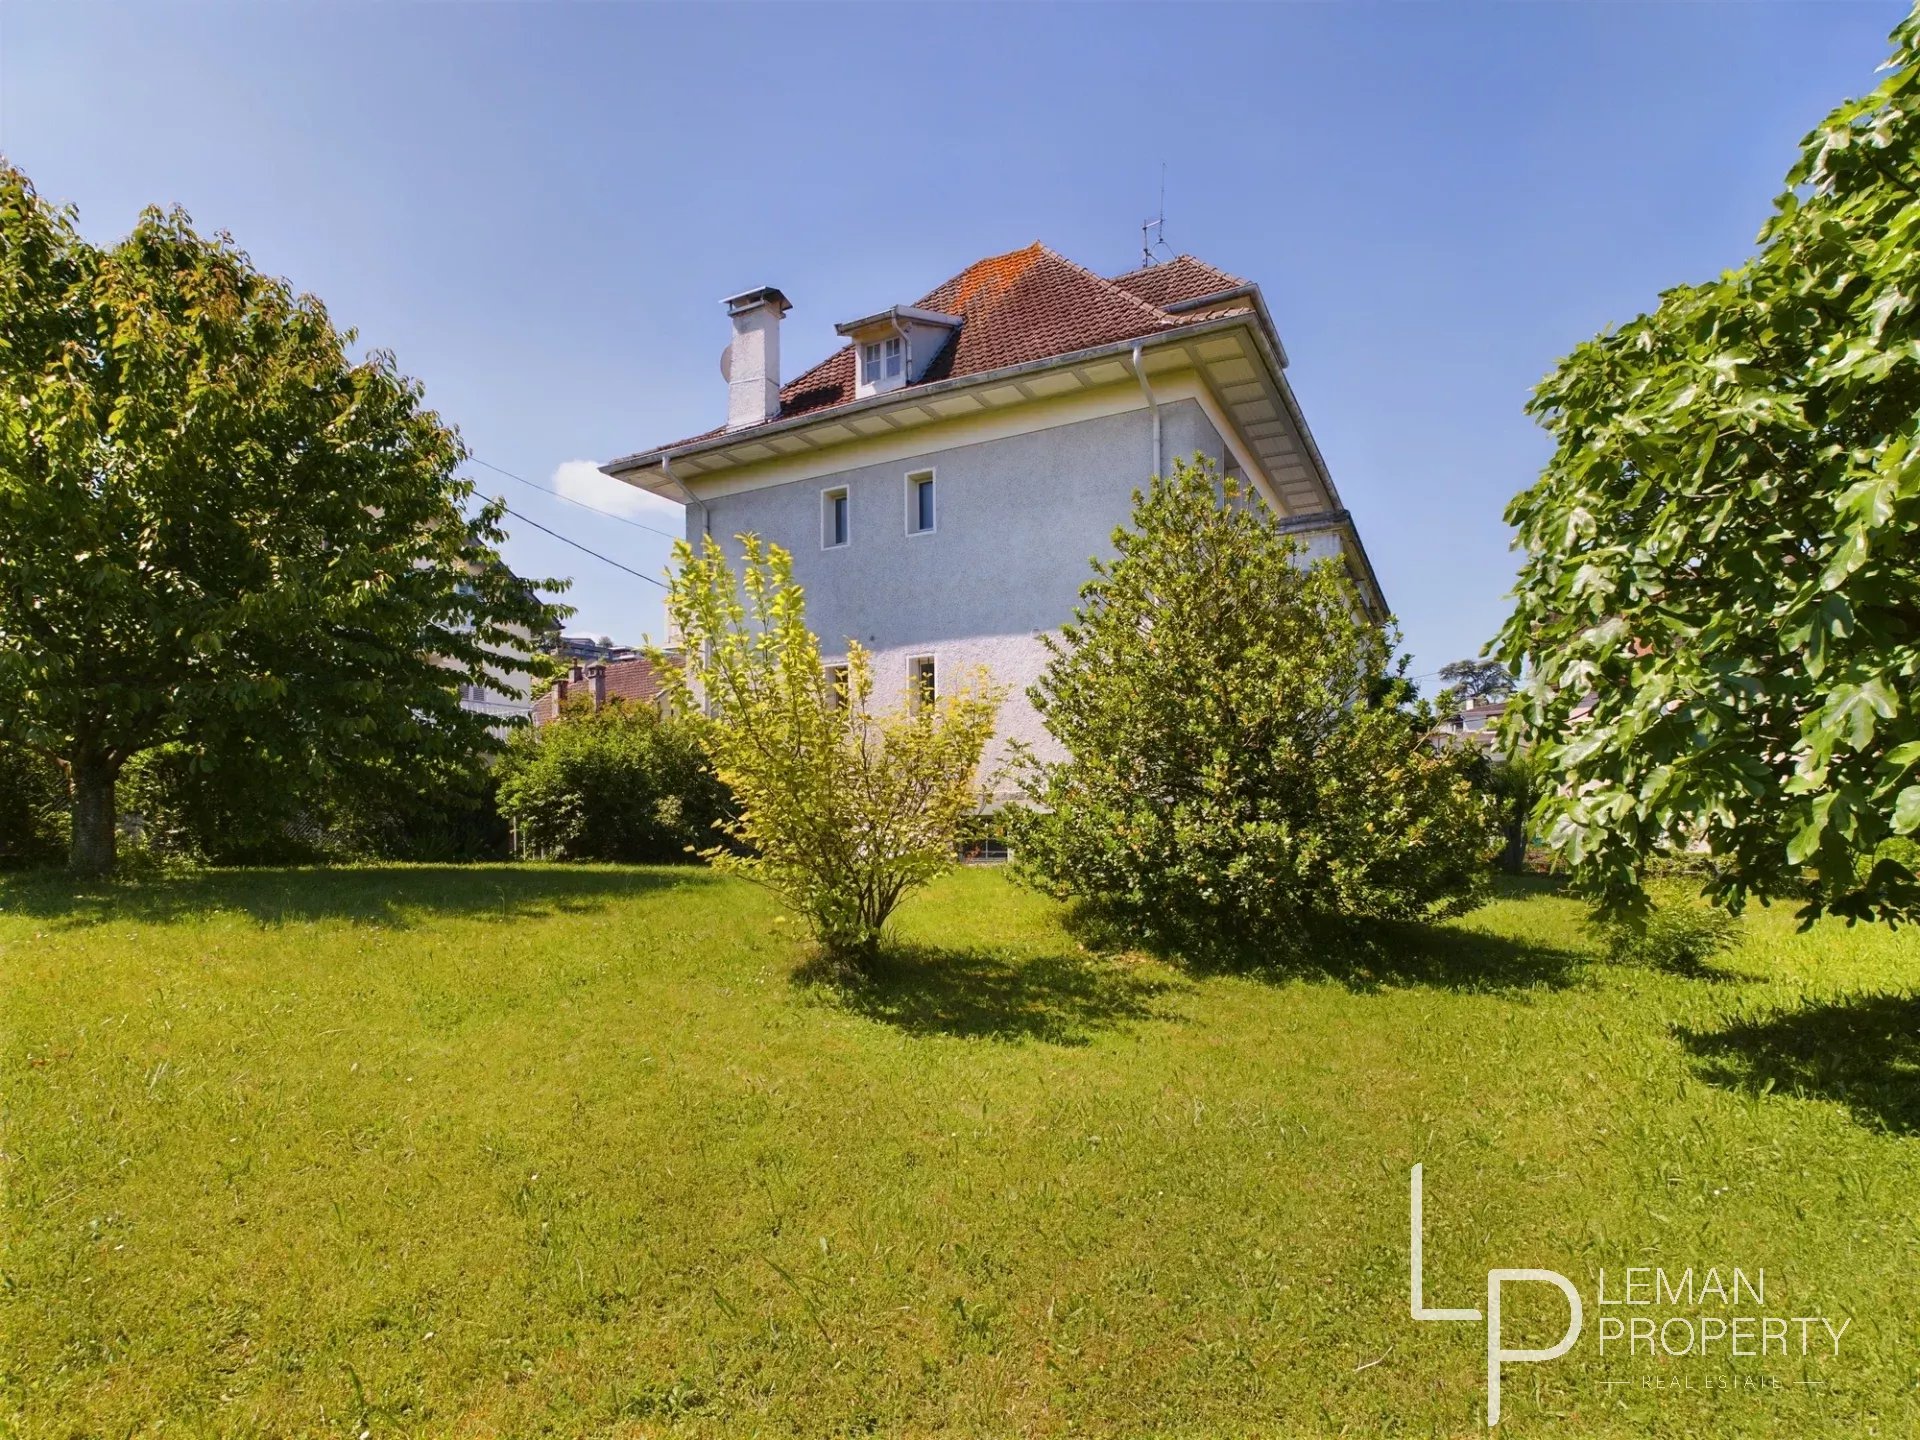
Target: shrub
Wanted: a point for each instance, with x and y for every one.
(1678, 934)
(235, 806)
(1244, 758)
(33, 810)
(843, 811)
(623, 782)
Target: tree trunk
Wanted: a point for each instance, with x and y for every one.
(1513, 857)
(91, 852)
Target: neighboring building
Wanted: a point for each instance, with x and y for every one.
(944, 478)
(1480, 725)
(633, 680)
(494, 701)
(507, 697)
(588, 649)
(1474, 725)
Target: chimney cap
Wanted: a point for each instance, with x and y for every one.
(753, 299)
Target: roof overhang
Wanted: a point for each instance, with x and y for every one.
(1230, 346)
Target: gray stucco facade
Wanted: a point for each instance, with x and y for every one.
(1057, 395)
(1018, 519)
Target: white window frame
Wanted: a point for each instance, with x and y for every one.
(931, 476)
(916, 698)
(893, 358)
(839, 678)
(827, 497)
(870, 362)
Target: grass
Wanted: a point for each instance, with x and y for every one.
(520, 1151)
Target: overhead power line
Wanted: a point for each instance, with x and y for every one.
(544, 490)
(567, 540)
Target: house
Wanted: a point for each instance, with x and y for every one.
(588, 649)
(1479, 725)
(1473, 724)
(634, 680)
(944, 478)
(503, 701)
(506, 696)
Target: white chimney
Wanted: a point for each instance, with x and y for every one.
(753, 359)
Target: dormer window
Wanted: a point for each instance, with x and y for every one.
(882, 362)
(895, 347)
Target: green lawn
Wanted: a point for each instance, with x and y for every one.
(570, 1151)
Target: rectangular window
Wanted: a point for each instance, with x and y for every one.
(924, 683)
(920, 503)
(870, 362)
(837, 686)
(896, 348)
(833, 518)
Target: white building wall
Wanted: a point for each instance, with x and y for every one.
(1018, 521)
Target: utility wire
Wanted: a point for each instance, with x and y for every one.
(564, 540)
(638, 525)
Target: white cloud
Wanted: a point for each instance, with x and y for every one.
(581, 480)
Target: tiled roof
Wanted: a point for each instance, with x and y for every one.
(632, 680)
(1023, 306)
(1181, 279)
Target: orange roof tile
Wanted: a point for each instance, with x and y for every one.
(1016, 308)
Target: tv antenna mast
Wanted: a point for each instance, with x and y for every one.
(1153, 233)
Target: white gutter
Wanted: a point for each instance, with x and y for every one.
(666, 469)
(1140, 374)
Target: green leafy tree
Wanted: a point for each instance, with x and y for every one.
(1724, 551)
(843, 810)
(1241, 765)
(624, 782)
(33, 809)
(219, 531)
(1477, 681)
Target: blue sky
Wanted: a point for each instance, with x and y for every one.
(537, 207)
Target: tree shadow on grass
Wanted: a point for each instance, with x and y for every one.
(1371, 956)
(1058, 998)
(390, 896)
(1862, 1052)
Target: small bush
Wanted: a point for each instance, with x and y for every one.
(33, 810)
(844, 809)
(238, 808)
(1680, 935)
(621, 783)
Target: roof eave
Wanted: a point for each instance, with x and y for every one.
(1266, 338)
(907, 394)
(897, 312)
(1248, 292)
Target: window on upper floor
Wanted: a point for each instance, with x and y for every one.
(882, 360)
(833, 518)
(920, 513)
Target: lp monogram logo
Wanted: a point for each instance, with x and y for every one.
(1497, 1354)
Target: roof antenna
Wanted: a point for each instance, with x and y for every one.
(1154, 232)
